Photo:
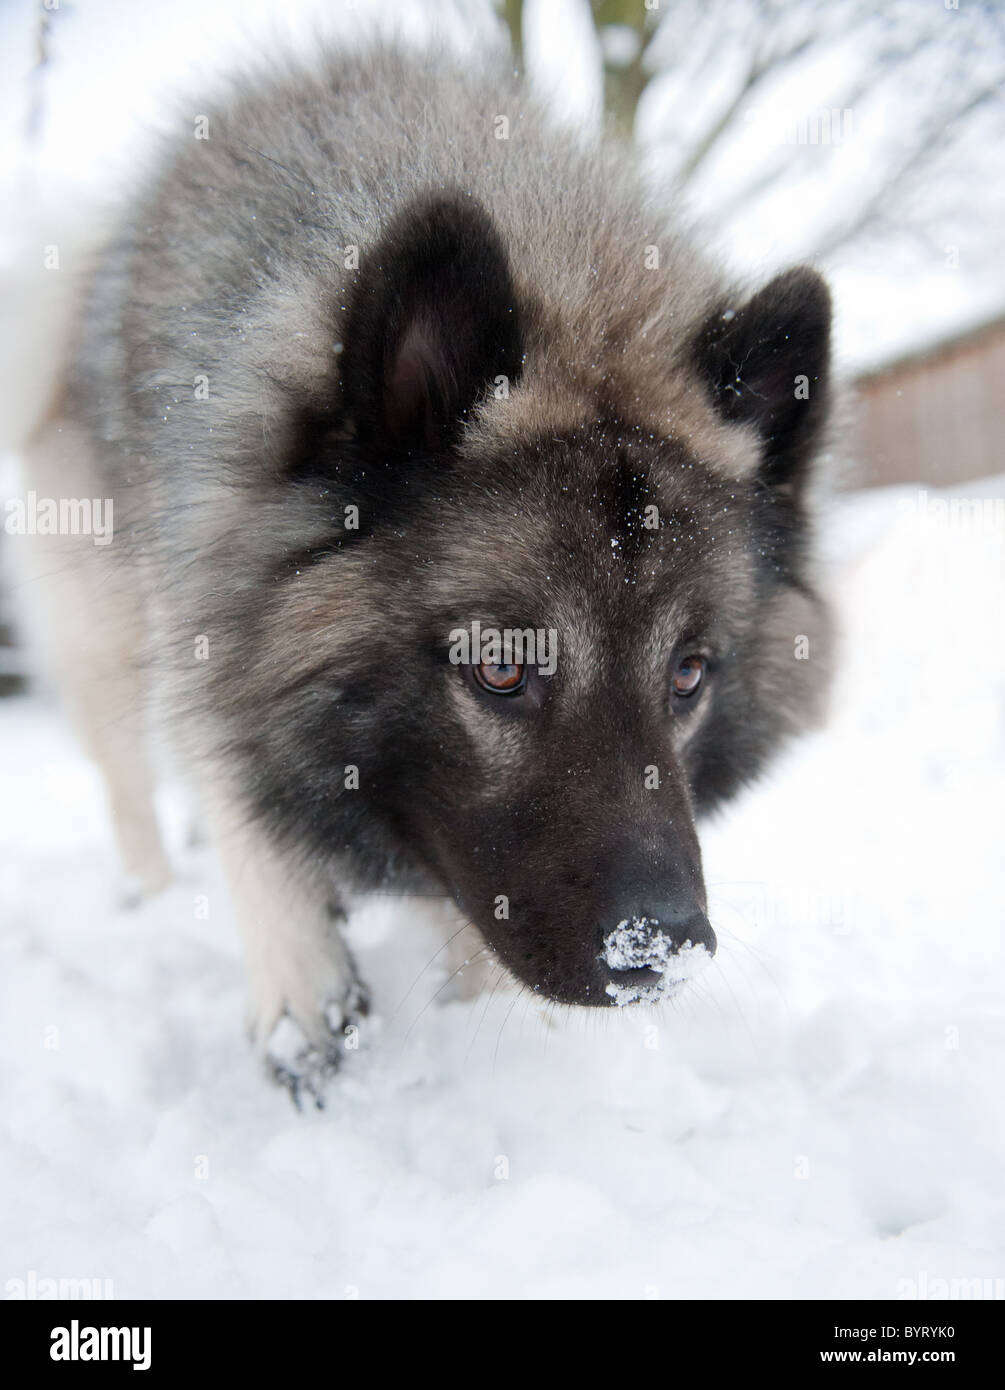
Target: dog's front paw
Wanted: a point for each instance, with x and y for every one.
(303, 1055)
(302, 1066)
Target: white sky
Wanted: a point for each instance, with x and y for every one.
(114, 63)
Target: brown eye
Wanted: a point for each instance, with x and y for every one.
(501, 679)
(688, 676)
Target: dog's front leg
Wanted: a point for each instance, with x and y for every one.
(304, 993)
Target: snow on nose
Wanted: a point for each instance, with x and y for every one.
(652, 964)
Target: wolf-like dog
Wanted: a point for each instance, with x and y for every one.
(462, 529)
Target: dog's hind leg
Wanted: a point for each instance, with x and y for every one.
(110, 713)
(305, 997)
(87, 622)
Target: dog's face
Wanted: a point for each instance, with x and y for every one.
(540, 654)
(551, 786)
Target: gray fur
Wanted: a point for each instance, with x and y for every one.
(231, 264)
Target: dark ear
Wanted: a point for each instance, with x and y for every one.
(767, 365)
(432, 322)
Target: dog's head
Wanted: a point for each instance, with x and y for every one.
(544, 633)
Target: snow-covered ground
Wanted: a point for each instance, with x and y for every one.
(820, 1115)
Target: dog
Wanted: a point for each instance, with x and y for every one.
(463, 530)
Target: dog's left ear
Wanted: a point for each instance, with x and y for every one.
(767, 364)
(432, 324)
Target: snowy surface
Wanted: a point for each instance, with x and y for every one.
(819, 1113)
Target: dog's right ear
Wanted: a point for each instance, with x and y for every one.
(432, 323)
(766, 363)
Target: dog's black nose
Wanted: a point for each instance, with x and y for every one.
(663, 887)
(677, 914)
(657, 937)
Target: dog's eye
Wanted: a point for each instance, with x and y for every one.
(688, 676)
(501, 679)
